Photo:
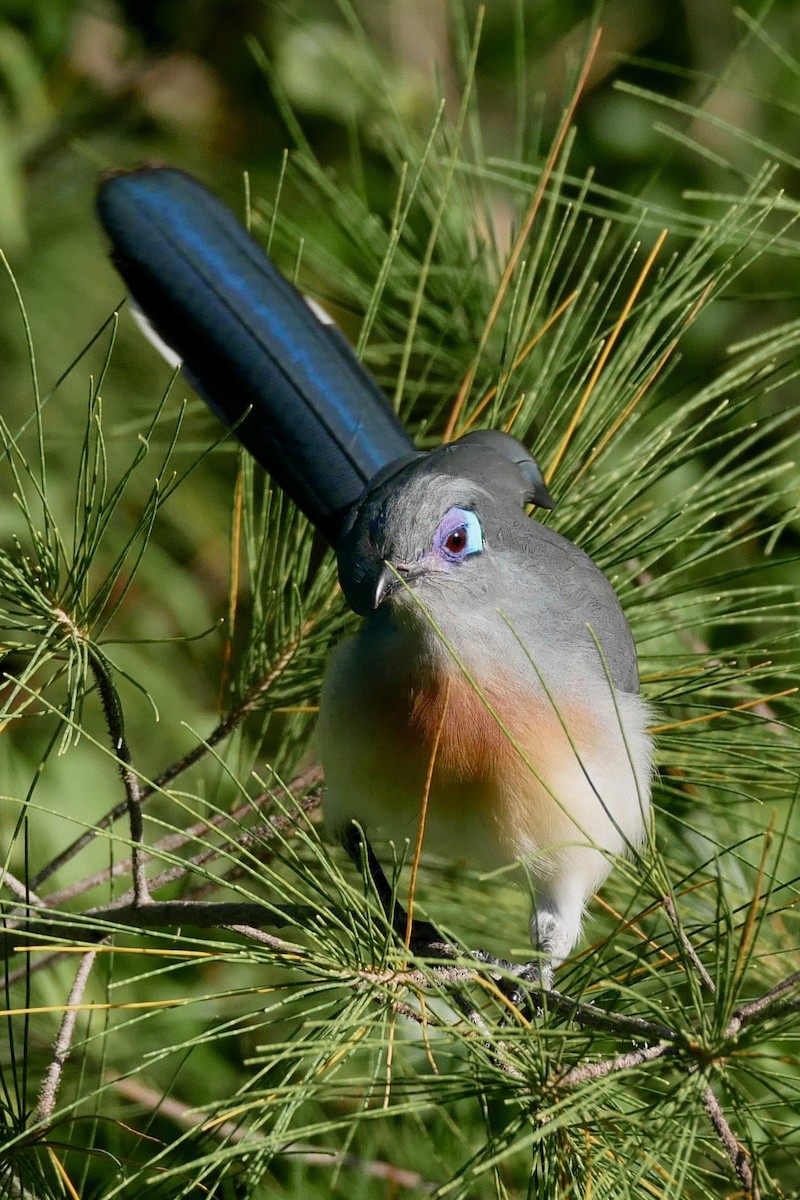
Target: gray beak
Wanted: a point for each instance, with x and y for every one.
(388, 581)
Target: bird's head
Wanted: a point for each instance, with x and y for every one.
(428, 521)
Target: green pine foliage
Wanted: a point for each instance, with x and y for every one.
(267, 1035)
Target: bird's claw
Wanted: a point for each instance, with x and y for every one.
(519, 981)
(525, 990)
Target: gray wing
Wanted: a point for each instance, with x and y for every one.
(579, 595)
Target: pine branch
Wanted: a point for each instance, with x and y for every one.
(133, 799)
(48, 1092)
(222, 730)
(737, 1154)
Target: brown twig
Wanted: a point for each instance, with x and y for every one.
(133, 797)
(162, 914)
(588, 1015)
(167, 914)
(48, 1092)
(170, 913)
(610, 1066)
(278, 823)
(765, 1004)
(264, 939)
(20, 889)
(233, 1132)
(737, 1154)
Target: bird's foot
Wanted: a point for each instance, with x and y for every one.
(522, 984)
(531, 980)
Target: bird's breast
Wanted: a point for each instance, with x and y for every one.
(505, 770)
(461, 729)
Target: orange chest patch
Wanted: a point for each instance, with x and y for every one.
(476, 732)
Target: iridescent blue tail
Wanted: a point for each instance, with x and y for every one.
(318, 422)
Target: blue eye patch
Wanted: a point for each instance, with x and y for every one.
(459, 535)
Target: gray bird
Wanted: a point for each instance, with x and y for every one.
(488, 638)
(495, 631)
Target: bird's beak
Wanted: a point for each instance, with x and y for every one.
(397, 575)
(386, 584)
(393, 576)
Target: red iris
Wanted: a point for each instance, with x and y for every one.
(457, 540)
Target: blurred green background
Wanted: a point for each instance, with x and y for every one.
(97, 85)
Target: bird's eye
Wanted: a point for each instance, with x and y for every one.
(458, 535)
(457, 540)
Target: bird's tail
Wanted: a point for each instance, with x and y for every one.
(302, 403)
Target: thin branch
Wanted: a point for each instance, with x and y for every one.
(623, 1062)
(248, 918)
(163, 914)
(223, 730)
(20, 889)
(234, 1132)
(169, 913)
(264, 939)
(413, 1014)
(48, 1092)
(765, 1005)
(775, 1012)
(283, 824)
(588, 1015)
(279, 823)
(234, 718)
(592, 1017)
(133, 797)
(737, 1154)
(42, 963)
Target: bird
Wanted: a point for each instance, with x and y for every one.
(493, 680)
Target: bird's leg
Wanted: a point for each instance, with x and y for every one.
(555, 926)
(427, 942)
(425, 938)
